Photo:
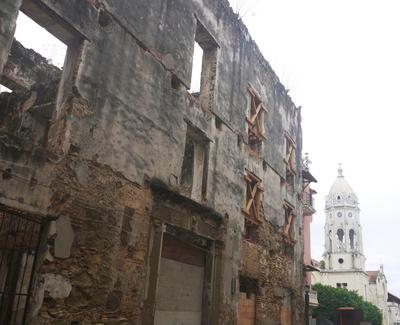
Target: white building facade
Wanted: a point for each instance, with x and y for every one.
(343, 254)
(394, 309)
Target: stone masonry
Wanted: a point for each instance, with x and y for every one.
(157, 205)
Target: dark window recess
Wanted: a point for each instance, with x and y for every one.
(251, 231)
(195, 165)
(248, 285)
(20, 238)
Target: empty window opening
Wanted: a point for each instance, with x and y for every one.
(289, 228)
(45, 52)
(196, 69)
(255, 122)
(247, 301)
(204, 65)
(20, 238)
(253, 206)
(33, 36)
(351, 237)
(338, 285)
(340, 260)
(290, 160)
(4, 89)
(195, 164)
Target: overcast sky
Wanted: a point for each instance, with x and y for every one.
(341, 61)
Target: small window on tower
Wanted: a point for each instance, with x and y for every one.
(351, 237)
(340, 234)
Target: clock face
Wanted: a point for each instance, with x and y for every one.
(350, 214)
(339, 214)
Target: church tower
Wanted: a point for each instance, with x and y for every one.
(343, 235)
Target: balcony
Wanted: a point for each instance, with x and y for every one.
(308, 202)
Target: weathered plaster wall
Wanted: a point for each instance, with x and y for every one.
(121, 124)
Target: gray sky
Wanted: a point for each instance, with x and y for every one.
(341, 61)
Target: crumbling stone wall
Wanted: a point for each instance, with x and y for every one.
(106, 159)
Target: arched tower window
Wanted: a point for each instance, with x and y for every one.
(340, 236)
(351, 236)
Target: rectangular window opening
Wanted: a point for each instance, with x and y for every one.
(204, 65)
(33, 36)
(289, 229)
(196, 69)
(45, 51)
(290, 161)
(255, 121)
(253, 206)
(195, 165)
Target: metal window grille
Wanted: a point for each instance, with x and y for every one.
(20, 238)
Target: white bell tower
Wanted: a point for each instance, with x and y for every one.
(343, 235)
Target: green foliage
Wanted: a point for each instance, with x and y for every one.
(322, 264)
(330, 299)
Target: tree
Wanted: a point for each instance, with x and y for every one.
(330, 299)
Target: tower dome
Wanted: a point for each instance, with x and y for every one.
(341, 193)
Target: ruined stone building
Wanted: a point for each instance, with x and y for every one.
(128, 198)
